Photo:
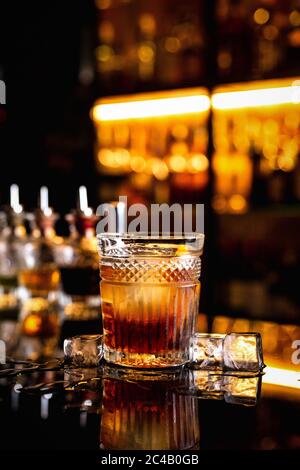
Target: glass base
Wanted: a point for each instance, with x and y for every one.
(145, 361)
(131, 374)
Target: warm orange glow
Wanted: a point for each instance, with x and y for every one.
(219, 204)
(295, 18)
(130, 139)
(198, 162)
(32, 324)
(270, 32)
(8, 301)
(268, 93)
(152, 105)
(146, 53)
(237, 203)
(286, 163)
(116, 159)
(172, 44)
(103, 4)
(177, 163)
(180, 131)
(294, 38)
(261, 117)
(20, 231)
(147, 23)
(138, 164)
(282, 377)
(261, 16)
(233, 179)
(160, 169)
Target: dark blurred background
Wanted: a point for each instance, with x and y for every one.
(58, 58)
(48, 133)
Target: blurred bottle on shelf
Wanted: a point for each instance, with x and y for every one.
(38, 275)
(265, 133)
(8, 271)
(77, 260)
(38, 280)
(12, 237)
(39, 329)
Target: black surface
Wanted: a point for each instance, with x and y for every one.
(273, 424)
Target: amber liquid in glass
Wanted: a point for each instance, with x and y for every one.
(148, 324)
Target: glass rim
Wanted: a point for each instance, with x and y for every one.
(189, 236)
(198, 334)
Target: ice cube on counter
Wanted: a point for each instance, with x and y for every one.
(243, 352)
(206, 351)
(236, 352)
(83, 351)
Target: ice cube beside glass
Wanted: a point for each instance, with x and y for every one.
(233, 352)
(242, 352)
(83, 351)
(207, 351)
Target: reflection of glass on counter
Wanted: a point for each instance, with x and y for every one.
(147, 415)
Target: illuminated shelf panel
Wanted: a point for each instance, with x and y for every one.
(253, 121)
(261, 93)
(152, 105)
(154, 134)
(282, 377)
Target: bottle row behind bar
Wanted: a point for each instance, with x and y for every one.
(45, 277)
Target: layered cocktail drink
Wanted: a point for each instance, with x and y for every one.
(149, 290)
